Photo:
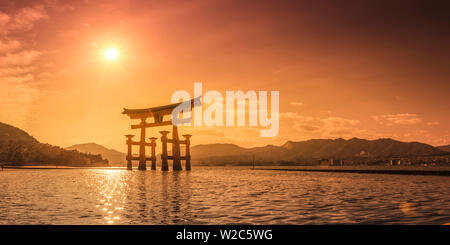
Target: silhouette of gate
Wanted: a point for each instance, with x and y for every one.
(157, 114)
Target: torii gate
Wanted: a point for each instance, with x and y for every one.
(157, 113)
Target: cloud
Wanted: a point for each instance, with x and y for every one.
(296, 103)
(17, 79)
(13, 71)
(426, 136)
(320, 127)
(22, 20)
(44, 74)
(4, 19)
(23, 58)
(433, 123)
(399, 119)
(18, 63)
(9, 46)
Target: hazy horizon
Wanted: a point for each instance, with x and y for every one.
(86, 143)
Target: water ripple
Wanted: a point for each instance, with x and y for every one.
(220, 196)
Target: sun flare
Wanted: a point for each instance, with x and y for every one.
(111, 54)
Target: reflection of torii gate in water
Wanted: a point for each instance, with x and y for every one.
(157, 113)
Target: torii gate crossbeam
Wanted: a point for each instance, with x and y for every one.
(158, 113)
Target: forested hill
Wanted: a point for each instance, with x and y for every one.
(445, 148)
(17, 147)
(114, 157)
(11, 133)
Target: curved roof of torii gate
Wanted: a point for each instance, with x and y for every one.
(160, 110)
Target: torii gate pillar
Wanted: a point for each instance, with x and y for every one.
(188, 150)
(129, 154)
(176, 149)
(142, 158)
(164, 154)
(153, 156)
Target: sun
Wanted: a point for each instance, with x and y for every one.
(111, 54)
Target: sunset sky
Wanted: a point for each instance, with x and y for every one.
(367, 69)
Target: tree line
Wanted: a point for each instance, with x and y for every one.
(29, 152)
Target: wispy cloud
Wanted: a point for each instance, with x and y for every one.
(9, 45)
(17, 79)
(433, 123)
(18, 63)
(322, 127)
(296, 103)
(399, 119)
(13, 71)
(22, 20)
(22, 58)
(4, 20)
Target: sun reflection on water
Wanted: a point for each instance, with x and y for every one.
(110, 190)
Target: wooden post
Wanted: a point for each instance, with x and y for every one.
(153, 157)
(176, 149)
(129, 155)
(188, 151)
(164, 165)
(158, 113)
(142, 160)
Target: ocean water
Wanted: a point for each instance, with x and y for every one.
(220, 195)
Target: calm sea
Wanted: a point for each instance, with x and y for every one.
(220, 195)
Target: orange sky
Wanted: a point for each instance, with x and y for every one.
(347, 69)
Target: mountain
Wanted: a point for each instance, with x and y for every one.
(11, 133)
(340, 148)
(18, 148)
(220, 153)
(444, 148)
(114, 157)
(315, 149)
(217, 150)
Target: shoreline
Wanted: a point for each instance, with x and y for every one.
(438, 172)
(60, 167)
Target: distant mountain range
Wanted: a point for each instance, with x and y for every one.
(17, 147)
(114, 157)
(297, 152)
(304, 151)
(445, 148)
